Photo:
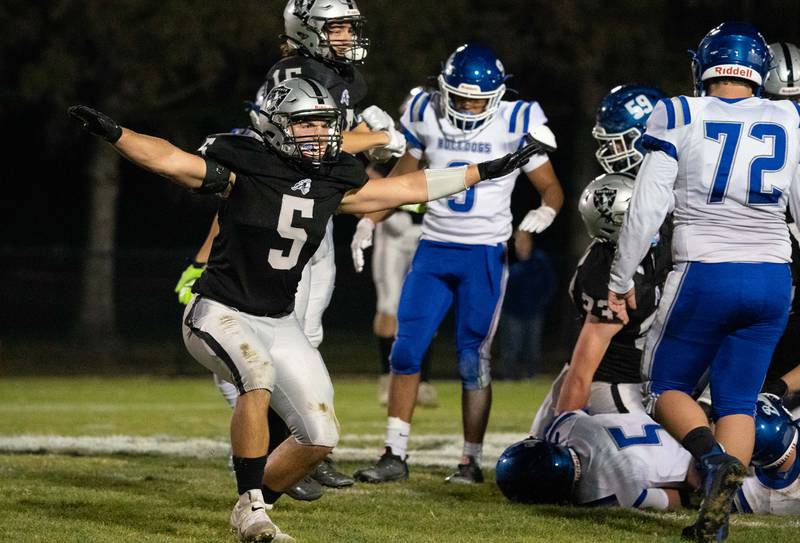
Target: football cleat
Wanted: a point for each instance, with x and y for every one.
(326, 474)
(722, 476)
(466, 474)
(249, 519)
(390, 467)
(305, 490)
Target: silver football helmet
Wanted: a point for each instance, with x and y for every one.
(301, 99)
(783, 78)
(603, 205)
(306, 25)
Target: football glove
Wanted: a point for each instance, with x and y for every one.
(376, 118)
(362, 239)
(184, 287)
(537, 220)
(97, 123)
(500, 167)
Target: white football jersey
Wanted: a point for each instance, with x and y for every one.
(622, 456)
(480, 214)
(776, 495)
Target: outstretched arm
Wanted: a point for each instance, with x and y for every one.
(156, 154)
(427, 185)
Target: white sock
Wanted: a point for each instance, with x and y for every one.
(228, 391)
(475, 450)
(397, 432)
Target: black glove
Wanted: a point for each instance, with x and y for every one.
(500, 167)
(97, 123)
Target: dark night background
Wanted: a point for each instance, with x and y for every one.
(75, 219)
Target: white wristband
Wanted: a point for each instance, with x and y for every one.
(445, 182)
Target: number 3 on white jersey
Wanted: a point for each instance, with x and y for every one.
(289, 205)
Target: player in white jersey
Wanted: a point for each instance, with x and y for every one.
(461, 258)
(623, 459)
(727, 163)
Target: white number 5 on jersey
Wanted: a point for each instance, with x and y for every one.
(289, 205)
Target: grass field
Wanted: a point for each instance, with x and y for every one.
(121, 460)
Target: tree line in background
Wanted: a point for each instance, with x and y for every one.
(181, 69)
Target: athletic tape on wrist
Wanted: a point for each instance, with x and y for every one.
(445, 182)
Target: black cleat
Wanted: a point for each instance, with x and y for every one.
(326, 474)
(466, 474)
(390, 467)
(305, 490)
(722, 476)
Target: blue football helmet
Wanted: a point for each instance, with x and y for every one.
(734, 50)
(537, 471)
(472, 71)
(776, 433)
(621, 120)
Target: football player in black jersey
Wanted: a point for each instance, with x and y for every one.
(603, 374)
(324, 40)
(279, 192)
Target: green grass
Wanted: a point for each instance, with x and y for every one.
(123, 498)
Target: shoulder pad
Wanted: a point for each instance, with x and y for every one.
(522, 116)
(678, 112)
(418, 106)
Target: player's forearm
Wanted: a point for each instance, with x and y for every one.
(553, 197)
(205, 250)
(357, 142)
(160, 156)
(592, 344)
(413, 188)
(650, 204)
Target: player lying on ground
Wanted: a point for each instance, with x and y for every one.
(629, 460)
(279, 195)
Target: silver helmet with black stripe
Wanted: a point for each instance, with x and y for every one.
(783, 78)
(603, 205)
(308, 25)
(300, 119)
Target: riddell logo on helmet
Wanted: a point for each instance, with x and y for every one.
(734, 71)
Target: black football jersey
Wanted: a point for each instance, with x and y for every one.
(271, 223)
(589, 293)
(345, 82)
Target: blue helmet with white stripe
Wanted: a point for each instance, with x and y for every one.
(731, 50)
(537, 471)
(621, 120)
(473, 72)
(776, 433)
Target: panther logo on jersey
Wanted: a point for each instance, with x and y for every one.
(345, 99)
(302, 186)
(603, 200)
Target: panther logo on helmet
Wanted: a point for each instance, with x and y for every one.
(604, 200)
(274, 99)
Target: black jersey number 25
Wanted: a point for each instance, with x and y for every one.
(289, 205)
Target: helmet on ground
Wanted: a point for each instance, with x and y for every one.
(537, 471)
(776, 433)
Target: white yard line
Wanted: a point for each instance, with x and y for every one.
(426, 450)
